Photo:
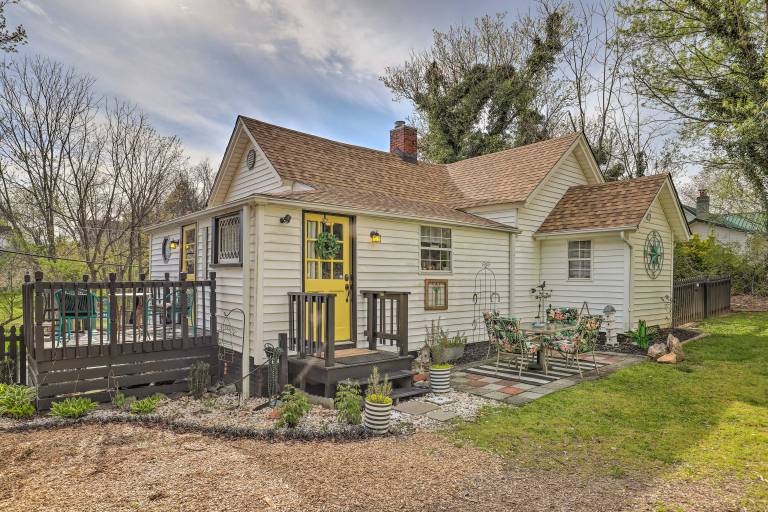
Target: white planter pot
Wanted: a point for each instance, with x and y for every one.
(377, 416)
(440, 379)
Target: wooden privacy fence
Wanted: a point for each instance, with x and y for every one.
(698, 298)
(95, 338)
(13, 356)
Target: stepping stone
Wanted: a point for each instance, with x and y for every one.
(493, 387)
(496, 395)
(517, 400)
(530, 395)
(416, 408)
(441, 415)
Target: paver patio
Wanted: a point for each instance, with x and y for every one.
(483, 379)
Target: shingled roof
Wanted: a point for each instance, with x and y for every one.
(616, 204)
(502, 177)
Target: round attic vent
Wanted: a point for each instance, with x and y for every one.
(251, 159)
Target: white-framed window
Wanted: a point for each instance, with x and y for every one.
(436, 249)
(579, 259)
(228, 245)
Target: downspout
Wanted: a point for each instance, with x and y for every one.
(246, 248)
(511, 285)
(628, 285)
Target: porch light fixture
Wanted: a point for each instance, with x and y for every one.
(285, 219)
(375, 237)
(174, 244)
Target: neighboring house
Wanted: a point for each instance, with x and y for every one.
(728, 228)
(537, 213)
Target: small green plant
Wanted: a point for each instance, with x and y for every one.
(16, 401)
(294, 406)
(199, 378)
(348, 406)
(379, 390)
(123, 401)
(146, 405)
(642, 336)
(441, 366)
(208, 402)
(72, 407)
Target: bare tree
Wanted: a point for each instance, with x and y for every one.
(42, 109)
(146, 164)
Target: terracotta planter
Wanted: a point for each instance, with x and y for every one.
(377, 416)
(440, 379)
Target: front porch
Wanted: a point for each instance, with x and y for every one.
(317, 364)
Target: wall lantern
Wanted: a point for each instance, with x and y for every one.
(174, 244)
(375, 237)
(285, 219)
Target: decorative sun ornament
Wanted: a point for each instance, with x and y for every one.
(653, 254)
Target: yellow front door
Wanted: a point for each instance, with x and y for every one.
(324, 274)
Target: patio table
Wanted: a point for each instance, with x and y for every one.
(540, 332)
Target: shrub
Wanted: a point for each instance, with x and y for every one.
(146, 405)
(442, 366)
(295, 406)
(379, 391)
(16, 401)
(72, 407)
(348, 406)
(199, 378)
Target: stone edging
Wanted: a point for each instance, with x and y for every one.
(346, 433)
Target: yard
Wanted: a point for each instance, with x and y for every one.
(649, 437)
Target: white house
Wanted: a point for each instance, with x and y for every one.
(444, 233)
(731, 229)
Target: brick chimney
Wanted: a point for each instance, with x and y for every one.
(702, 203)
(402, 141)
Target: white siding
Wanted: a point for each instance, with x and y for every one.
(394, 265)
(502, 213)
(157, 266)
(647, 293)
(724, 236)
(527, 251)
(608, 282)
(262, 178)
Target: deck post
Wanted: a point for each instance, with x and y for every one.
(183, 304)
(282, 379)
(371, 304)
(330, 330)
(112, 314)
(402, 321)
(39, 310)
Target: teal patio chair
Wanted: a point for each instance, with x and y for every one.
(74, 305)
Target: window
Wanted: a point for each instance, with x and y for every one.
(435, 248)
(579, 259)
(227, 239)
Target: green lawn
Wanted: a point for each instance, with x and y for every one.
(4, 310)
(704, 419)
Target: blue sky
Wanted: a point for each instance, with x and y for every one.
(194, 65)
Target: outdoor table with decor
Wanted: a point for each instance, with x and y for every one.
(541, 332)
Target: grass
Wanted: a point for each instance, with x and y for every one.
(5, 314)
(704, 419)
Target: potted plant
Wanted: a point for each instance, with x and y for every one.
(378, 402)
(453, 347)
(440, 377)
(442, 347)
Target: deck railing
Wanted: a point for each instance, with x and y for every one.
(88, 318)
(387, 319)
(311, 326)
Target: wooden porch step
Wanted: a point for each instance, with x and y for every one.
(410, 392)
(395, 376)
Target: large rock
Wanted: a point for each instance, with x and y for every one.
(675, 347)
(657, 350)
(670, 358)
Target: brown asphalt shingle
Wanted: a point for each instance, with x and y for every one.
(607, 205)
(506, 176)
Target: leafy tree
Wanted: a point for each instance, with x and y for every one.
(480, 88)
(10, 39)
(705, 62)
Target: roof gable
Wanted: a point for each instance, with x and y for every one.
(615, 205)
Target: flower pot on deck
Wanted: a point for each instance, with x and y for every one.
(440, 379)
(377, 416)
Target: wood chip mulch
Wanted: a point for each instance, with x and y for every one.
(128, 467)
(752, 303)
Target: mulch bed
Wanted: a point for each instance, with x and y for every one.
(626, 346)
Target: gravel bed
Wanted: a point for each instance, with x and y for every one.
(465, 405)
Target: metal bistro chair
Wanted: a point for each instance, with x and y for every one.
(580, 340)
(74, 305)
(168, 308)
(505, 334)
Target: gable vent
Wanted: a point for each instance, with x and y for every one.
(250, 160)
